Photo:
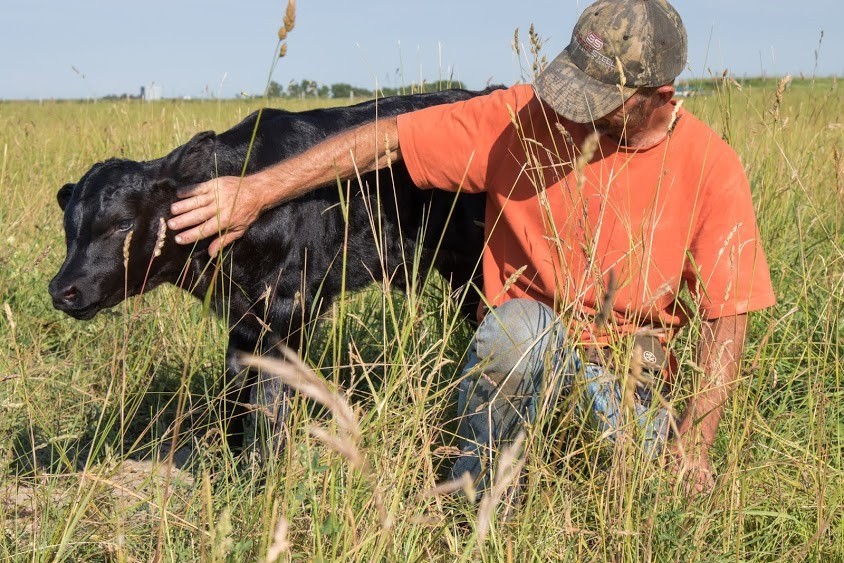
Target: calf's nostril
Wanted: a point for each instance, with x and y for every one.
(69, 294)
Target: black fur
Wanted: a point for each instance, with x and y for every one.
(295, 251)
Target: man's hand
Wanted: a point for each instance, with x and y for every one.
(225, 206)
(692, 468)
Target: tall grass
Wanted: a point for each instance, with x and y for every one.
(89, 407)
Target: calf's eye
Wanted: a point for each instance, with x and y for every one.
(125, 225)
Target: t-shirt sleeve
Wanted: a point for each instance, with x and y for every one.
(728, 274)
(452, 147)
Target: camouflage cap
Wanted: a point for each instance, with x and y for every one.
(617, 47)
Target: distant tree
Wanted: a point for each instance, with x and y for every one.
(113, 97)
(275, 90)
(414, 88)
(294, 89)
(362, 92)
(341, 90)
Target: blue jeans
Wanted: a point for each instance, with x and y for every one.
(519, 359)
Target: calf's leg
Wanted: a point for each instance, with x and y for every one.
(255, 408)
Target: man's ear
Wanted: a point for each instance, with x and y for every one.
(666, 93)
(191, 163)
(63, 195)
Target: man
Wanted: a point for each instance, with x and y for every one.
(605, 199)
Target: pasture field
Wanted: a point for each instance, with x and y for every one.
(87, 407)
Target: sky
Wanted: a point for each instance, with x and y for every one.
(220, 48)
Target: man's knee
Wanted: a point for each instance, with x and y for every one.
(516, 333)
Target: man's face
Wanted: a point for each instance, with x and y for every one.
(627, 119)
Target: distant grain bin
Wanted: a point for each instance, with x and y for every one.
(151, 92)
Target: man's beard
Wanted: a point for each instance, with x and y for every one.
(633, 120)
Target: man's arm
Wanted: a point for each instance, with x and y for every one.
(228, 205)
(719, 350)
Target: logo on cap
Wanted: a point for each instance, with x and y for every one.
(594, 41)
(590, 45)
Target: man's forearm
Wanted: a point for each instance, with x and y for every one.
(228, 205)
(357, 151)
(719, 351)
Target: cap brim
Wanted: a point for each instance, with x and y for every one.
(575, 95)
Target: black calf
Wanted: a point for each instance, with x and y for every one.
(291, 262)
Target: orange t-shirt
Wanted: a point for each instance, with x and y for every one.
(679, 212)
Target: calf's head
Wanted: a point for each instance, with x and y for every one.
(117, 242)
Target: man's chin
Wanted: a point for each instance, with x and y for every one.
(607, 130)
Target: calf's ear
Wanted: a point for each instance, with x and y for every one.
(63, 195)
(191, 163)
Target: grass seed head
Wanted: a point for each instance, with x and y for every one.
(280, 543)
(587, 151)
(8, 311)
(288, 23)
(290, 16)
(126, 243)
(781, 87)
(160, 237)
(536, 44)
(622, 78)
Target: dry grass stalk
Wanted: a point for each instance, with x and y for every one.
(281, 544)
(387, 151)
(295, 374)
(564, 132)
(674, 115)
(464, 483)
(344, 447)
(634, 377)
(607, 302)
(130, 489)
(514, 277)
(509, 467)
